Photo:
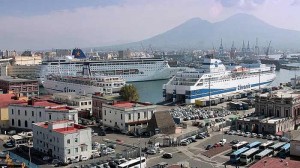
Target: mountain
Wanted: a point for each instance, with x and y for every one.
(200, 34)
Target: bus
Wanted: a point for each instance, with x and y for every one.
(284, 151)
(264, 153)
(134, 163)
(254, 144)
(239, 145)
(276, 147)
(235, 156)
(248, 156)
(266, 145)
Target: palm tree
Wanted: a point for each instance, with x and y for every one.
(129, 93)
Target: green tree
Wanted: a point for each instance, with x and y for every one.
(129, 93)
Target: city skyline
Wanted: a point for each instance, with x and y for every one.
(33, 24)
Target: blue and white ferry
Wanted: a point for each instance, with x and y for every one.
(213, 79)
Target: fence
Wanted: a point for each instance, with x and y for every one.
(130, 152)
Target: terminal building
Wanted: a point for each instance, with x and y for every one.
(63, 140)
(22, 115)
(18, 86)
(127, 116)
(275, 113)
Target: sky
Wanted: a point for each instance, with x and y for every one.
(46, 24)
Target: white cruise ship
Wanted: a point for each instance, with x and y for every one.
(83, 85)
(215, 81)
(130, 70)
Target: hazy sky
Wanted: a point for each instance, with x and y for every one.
(46, 24)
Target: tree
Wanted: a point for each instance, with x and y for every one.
(129, 93)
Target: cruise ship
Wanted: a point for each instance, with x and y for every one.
(83, 85)
(131, 70)
(214, 80)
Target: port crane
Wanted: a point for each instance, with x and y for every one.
(268, 49)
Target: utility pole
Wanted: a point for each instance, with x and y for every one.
(209, 94)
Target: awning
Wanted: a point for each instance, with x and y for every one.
(280, 133)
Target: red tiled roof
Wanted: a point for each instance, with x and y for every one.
(130, 104)
(42, 103)
(64, 130)
(48, 104)
(124, 104)
(6, 100)
(269, 162)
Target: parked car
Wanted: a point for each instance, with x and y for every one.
(184, 143)
(208, 147)
(265, 137)
(102, 133)
(83, 158)
(151, 152)
(222, 142)
(284, 139)
(167, 155)
(247, 134)
(253, 135)
(260, 136)
(234, 141)
(46, 158)
(9, 144)
(270, 137)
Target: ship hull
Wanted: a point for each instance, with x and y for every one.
(216, 89)
(61, 87)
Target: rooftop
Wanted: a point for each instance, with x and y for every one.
(130, 104)
(64, 129)
(6, 100)
(269, 162)
(285, 93)
(15, 79)
(47, 104)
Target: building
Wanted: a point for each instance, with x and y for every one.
(24, 71)
(127, 116)
(275, 112)
(295, 146)
(6, 100)
(271, 162)
(3, 66)
(81, 103)
(161, 122)
(123, 54)
(22, 115)
(18, 86)
(28, 59)
(98, 99)
(62, 139)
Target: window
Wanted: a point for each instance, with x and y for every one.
(19, 123)
(139, 115)
(12, 122)
(129, 116)
(18, 112)
(49, 116)
(40, 114)
(25, 112)
(32, 113)
(121, 116)
(12, 111)
(69, 151)
(26, 125)
(104, 112)
(76, 150)
(145, 114)
(76, 139)
(68, 141)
